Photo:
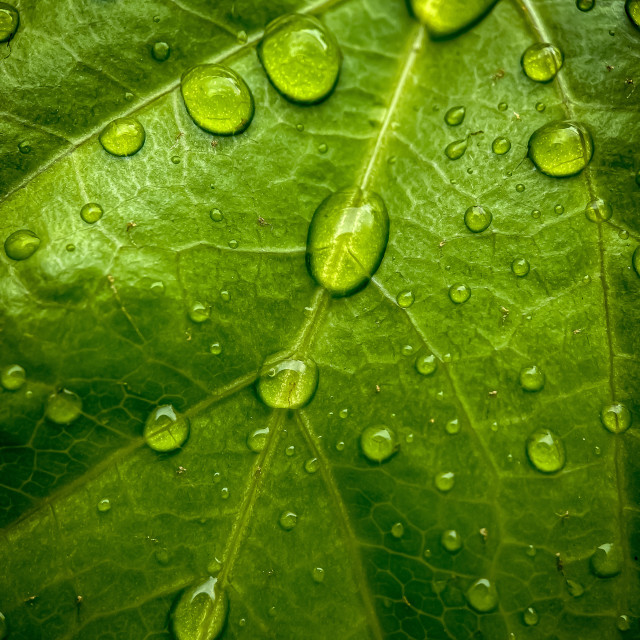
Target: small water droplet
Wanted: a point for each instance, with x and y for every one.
(500, 146)
(632, 7)
(300, 127)
(323, 147)
(378, 443)
(502, 106)
(397, 530)
(70, 247)
(545, 451)
(165, 429)
(606, 561)
(233, 244)
(575, 588)
(311, 465)
(408, 438)
(542, 61)
(520, 267)
(123, 137)
(598, 210)
(175, 159)
(585, 5)
(91, 212)
(520, 188)
(477, 219)
(23, 147)
(216, 215)
(453, 426)
(444, 481)
(456, 149)
(536, 213)
(405, 299)
(318, 574)
(623, 234)
(290, 451)
(407, 350)
(427, 553)
(340, 446)
(225, 295)
(597, 450)
(426, 364)
(451, 540)
(104, 505)
(455, 116)
(288, 520)
(12, 377)
(530, 617)
(224, 493)
(540, 106)
(531, 551)
(21, 244)
(200, 612)
(199, 312)
(160, 51)
(215, 348)
(257, 439)
(561, 148)
(532, 378)
(63, 407)
(287, 383)
(215, 566)
(482, 596)
(615, 417)
(623, 623)
(459, 293)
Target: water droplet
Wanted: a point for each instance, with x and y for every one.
(12, 377)
(455, 150)
(70, 247)
(397, 530)
(224, 493)
(616, 417)
(311, 465)
(407, 350)
(542, 61)
(217, 99)
(301, 57)
(426, 364)
(123, 137)
(21, 244)
(215, 348)
(598, 211)
(502, 106)
(520, 188)
(4, 627)
(63, 407)
(233, 244)
(500, 146)
(597, 450)
(225, 295)
(378, 443)
(447, 19)
(536, 213)
(520, 267)
(452, 427)
(623, 623)
(288, 520)
(561, 148)
(477, 219)
(444, 481)
(545, 451)
(242, 36)
(287, 383)
(408, 438)
(91, 212)
(175, 159)
(199, 312)
(530, 617)
(632, 8)
(347, 239)
(201, 612)
(300, 127)
(482, 596)
(405, 299)
(606, 561)
(532, 378)
(257, 439)
(427, 553)
(162, 557)
(9, 22)
(160, 51)
(104, 505)
(459, 293)
(216, 215)
(340, 446)
(451, 540)
(623, 234)
(323, 147)
(455, 116)
(166, 430)
(531, 551)
(290, 450)
(318, 574)
(575, 588)
(23, 147)
(585, 5)
(540, 106)
(635, 260)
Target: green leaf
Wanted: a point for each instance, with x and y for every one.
(195, 275)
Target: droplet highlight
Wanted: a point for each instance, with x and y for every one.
(288, 520)
(598, 211)
(520, 267)
(444, 481)
(459, 293)
(451, 540)
(606, 561)
(91, 212)
(257, 439)
(500, 146)
(426, 364)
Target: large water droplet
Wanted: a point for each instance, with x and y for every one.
(218, 99)
(459, 293)
(598, 210)
(160, 51)
(9, 22)
(444, 481)
(347, 239)
(561, 148)
(532, 378)
(200, 612)
(482, 596)
(405, 299)
(635, 261)
(123, 137)
(545, 451)
(257, 439)
(451, 540)
(12, 377)
(311, 465)
(585, 5)
(455, 150)
(91, 212)
(301, 57)
(21, 244)
(63, 407)
(530, 617)
(477, 218)
(451, 17)
(632, 8)
(606, 561)
(455, 116)
(166, 430)
(426, 364)
(520, 267)
(287, 383)
(622, 623)
(616, 417)
(199, 312)
(379, 443)
(500, 146)
(104, 505)
(288, 520)
(542, 61)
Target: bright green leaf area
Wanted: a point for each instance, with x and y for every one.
(103, 310)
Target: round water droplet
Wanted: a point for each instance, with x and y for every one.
(452, 427)
(201, 612)
(606, 561)
(12, 377)
(318, 574)
(632, 8)
(91, 212)
(477, 218)
(257, 439)
(340, 446)
(225, 295)
(224, 493)
(542, 61)
(558, 209)
(63, 407)
(545, 451)
(288, 520)
(217, 99)
(451, 540)
(343, 413)
(616, 417)
(520, 267)
(598, 211)
(455, 150)
(70, 247)
(426, 364)
(585, 5)
(290, 450)
(520, 188)
(575, 588)
(530, 617)
(459, 293)
(23, 147)
(540, 106)
(407, 350)
(405, 299)
(623, 234)
(311, 465)
(635, 260)
(287, 383)
(397, 530)
(175, 159)
(500, 146)
(623, 623)
(561, 148)
(104, 505)
(502, 106)
(21, 244)
(323, 147)
(160, 51)
(447, 19)
(199, 312)
(455, 116)
(379, 443)
(123, 137)
(216, 215)
(162, 557)
(9, 22)
(482, 596)
(444, 481)
(166, 430)
(536, 213)
(347, 239)
(215, 348)
(532, 378)
(301, 57)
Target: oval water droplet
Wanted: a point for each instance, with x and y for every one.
(545, 451)
(288, 520)
(217, 99)
(542, 61)
(215, 348)
(199, 312)
(520, 188)
(503, 106)
(444, 481)
(290, 451)
(379, 443)
(615, 417)
(532, 378)
(459, 293)
(635, 260)
(598, 211)
(540, 106)
(561, 148)
(455, 150)
(201, 612)
(160, 51)
(123, 137)
(448, 19)
(13, 377)
(311, 465)
(585, 5)
(632, 7)
(318, 574)
(343, 413)
(397, 530)
(257, 439)
(451, 540)
(520, 267)
(558, 209)
(455, 116)
(347, 239)
(405, 299)
(323, 147)
(426, 364)
(606, 561)
(24, 147)
(9, 22)
(165, 429)
(500, 146)
(530, 617)
(301, 57)
(104, 505)
(453, 426)
(287, 383)
(21, 244)
(482, 596)
(477, 218)
(91, 212)
(622, 623)
(63, 407)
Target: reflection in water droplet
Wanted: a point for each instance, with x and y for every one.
(585, 5)
(500, 146)
(444, 481)
(12, 377)
(217, 99)
(233, 244)
(520, 188)
(632, 8)
(160, 51)
(199, 312)
(561, 148)
(455, 150)
(91, 212)
(224, 493)
(520, 267)
(290, 450)
(532, 378)
(482, 596)
(606, 561)
(201, 612)
(166, 430)
(104, 505)
(542, 61)
(558, 209)
(426, 364)
(397, 530)
(459, 293)
(616, 417)
(9, 22)
(378, 443)
(598, 210)
(123, 137)
(453, 426)
(175, 159)
(311, 465)
(288, 520)
(287, 383)
(405, 299)
(63, 407)
(447, 19)
(536, 213)
(257, 439)
(21, 244)
(545, 451)
(340, 446)
(318, 574)
(530, 617)
(477, 218)
(451, 540)
(455, 116)
(215, 348)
